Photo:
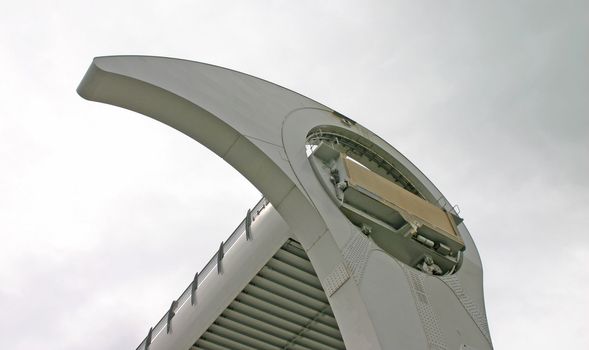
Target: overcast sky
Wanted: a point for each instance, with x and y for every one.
(105, 215)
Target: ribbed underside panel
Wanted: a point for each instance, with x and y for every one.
(283, 307)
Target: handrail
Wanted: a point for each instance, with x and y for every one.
(209, 267)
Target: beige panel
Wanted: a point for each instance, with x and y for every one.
(396, 197)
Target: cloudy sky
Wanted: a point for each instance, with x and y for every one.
(105, 215)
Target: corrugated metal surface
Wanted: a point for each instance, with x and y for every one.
(283, 307)
(212, 265)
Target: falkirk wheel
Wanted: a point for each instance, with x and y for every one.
(351, 247)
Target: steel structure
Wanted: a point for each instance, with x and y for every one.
(352, 247)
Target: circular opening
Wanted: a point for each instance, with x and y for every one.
(375, 193)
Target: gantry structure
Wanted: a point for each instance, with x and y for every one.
(351, 247)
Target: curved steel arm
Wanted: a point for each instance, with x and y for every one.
(260, 129)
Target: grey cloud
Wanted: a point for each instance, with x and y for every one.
(106, 215)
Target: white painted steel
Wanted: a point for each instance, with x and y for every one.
(243, 259)
(260, 129)
(283, 307)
